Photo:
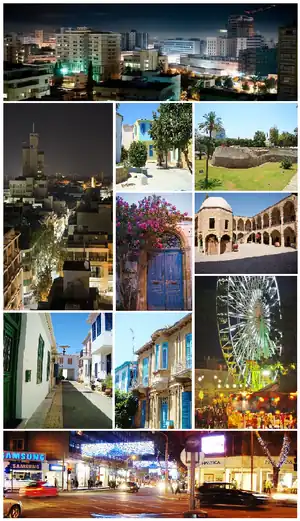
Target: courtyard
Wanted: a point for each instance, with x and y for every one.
(250, 258)
(268, 176)
(158, 178)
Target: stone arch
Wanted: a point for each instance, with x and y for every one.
(234, 224)
(240, 225)
(258, 226)
(240, 236)
(225, 244)
(211, 244)
(253, 224)
(248, 225)
(289, 236)
(266, 220)
(276, 238)
(289, 214)
(275, 216)
(234, 237)
(266, 238)
(251, 237)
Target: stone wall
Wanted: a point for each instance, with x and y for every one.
(246, 157)
(121, 174)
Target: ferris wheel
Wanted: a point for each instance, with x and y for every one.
(248, 316)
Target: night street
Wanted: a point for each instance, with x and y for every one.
(147, 500)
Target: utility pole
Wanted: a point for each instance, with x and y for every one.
(252, 455)
(167, 464)
(192, 482)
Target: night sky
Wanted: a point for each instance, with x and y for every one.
(76, 138)
(207, 339)
(160, 20)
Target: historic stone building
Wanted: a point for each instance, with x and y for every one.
(163, 382)
(217, 229)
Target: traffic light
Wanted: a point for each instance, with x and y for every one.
(69, 470)
(295, 463)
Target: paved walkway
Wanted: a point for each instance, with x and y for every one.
(71, 405)
(250, 258)
(177, 179)
(292, 186)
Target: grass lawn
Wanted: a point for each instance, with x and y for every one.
(265, 177)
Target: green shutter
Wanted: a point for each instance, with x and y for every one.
(48, 366)
(40, 359)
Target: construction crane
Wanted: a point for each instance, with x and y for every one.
(260, 9)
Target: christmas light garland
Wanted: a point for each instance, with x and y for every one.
(285, 449)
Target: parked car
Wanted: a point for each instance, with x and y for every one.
(12, 507)
(221, 493)
(38, 489)
(129, 486)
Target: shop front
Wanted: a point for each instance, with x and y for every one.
(23, 467)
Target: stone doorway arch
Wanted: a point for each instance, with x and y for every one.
(258, 227)
(289, 237)
(248, 225)
(240, 225)
(276, 238)
(251, 237)
(225, 244)
(275, 217)
(211, 244)
(289, 214)
(266, 220)
(240, 237)
(266, 238)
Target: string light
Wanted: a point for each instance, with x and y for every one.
(117, 450)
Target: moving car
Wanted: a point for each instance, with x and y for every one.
(221, 493)
(129, 486)
(38, 489)
(12, 507)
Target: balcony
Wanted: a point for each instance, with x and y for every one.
(85, 354)
(139, 385)
(183, 370)
(102, 345)
(160, 379)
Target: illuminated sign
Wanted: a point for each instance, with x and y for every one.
(117, 450)
(213, 444)
(59, 468)
(24, 456)
(15, 465)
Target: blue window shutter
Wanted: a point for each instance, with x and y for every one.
(150, 150)
(143, 414)
(94, 331)
(98, 322)
(186, 418)
(108, 321)
(188, 350)
(146, 371)
(157, 356)
(165, 348)
(163, 413)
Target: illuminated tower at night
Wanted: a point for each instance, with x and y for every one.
(32, 157)
(240, 26)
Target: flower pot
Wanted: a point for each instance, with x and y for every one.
(277, 244)
(108, 392)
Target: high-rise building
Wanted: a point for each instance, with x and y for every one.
(257, 40)
(134, 40)
(216, 46)
(287, 63)
(259, 61)
(235, 46)
(13, 51)
(240, 26)
(77, 48)
(32, 157)
(39, 37)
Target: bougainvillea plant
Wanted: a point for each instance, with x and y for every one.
(141, 226)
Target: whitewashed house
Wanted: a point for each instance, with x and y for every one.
(101, 337)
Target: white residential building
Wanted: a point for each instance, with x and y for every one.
(28, 367)
(76, 48)
(69, 366)
(101, 336)
(85, 360)
(216, 46)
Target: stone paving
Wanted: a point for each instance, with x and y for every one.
(250, 258)
(292, 186)
(171, 179)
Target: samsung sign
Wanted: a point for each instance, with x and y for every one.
(24, 456)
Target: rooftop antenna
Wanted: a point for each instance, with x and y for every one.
(133, 342)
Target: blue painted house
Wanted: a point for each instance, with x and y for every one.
(164, 378)
(125, 374)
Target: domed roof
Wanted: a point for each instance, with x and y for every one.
(216, 202)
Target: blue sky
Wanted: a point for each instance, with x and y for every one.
(70, 329)
(143, 325)
(243, 119)
(183, 202)
(133, 111)
(246, 204)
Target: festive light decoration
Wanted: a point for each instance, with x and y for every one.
(285, 449)
(248, 314)
(117, 450)
(153, 464)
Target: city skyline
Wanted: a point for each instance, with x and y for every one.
(70, 136)
(147, 17)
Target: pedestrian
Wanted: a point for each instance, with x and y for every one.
(55, 482)
(76, 483)
(177, 489)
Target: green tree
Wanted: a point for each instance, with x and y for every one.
(90, 83)
(57, 79)
(228, 83)
(255, 80)
(270, 83)
(126, 406)
(218, 81)
(274, 136)
(161, 133)
(286, 163)
(137, 154)
(43, 285)
(245, 86)
(124, 154)
(259, 139)
(211, 124)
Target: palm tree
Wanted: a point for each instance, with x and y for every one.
(211, 124)
(255, 80)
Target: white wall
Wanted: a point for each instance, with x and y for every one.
(65, 366)
(29, 395)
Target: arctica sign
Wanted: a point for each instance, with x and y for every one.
(24, 456)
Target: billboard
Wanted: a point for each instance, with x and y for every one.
(213, 444)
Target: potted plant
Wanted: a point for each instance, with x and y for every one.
(277, 244)
(235, 247)
(108, 385)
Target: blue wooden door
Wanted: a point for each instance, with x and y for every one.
(188, 351)
(186, 415)
(143, 414)
(164, 283)
(163, 413)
